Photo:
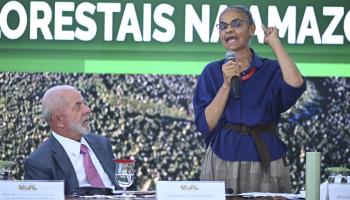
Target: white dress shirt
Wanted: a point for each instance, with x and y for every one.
(72, 149)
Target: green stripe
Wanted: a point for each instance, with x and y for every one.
(324, 69)
(144, 67)
(148, 67)
(43, 65)
(183, 67)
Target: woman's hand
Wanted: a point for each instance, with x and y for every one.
(229, 70)
(271, 35)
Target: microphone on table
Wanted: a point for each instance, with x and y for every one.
(235, 81)
(228, 191)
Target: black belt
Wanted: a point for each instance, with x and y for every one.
(254, 131)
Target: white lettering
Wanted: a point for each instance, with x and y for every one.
(133, 28)
(147, 25)
(163, 22)
(328, 37)
(65, 20)
(22, 24)
(61, 20)
(309, 18)
(347, 26)
(43, 23)
(254, 9)
(108, 9)
(201, 25)
(85, 21)
(288, 23)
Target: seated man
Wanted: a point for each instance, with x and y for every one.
(71, 153)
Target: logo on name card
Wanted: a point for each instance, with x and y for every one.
(189, 187)
(190, 190)
(27, 187)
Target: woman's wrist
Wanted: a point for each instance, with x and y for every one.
(226, 85)
(275, 44)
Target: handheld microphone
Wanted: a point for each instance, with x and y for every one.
(235, 81)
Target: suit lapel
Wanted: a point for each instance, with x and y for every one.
(65, 164)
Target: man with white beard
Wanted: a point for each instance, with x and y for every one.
(71, 153)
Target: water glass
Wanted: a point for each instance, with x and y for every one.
(124, 173)
(5, 169)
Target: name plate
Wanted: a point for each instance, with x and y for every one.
(31, 190)
(339, 191)
(198, 190)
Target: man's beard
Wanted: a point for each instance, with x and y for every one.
(78, 128)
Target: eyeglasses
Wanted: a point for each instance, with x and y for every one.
(236, 23)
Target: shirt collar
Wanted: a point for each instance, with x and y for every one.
(256, 63)
(256, 60)
(71, 146)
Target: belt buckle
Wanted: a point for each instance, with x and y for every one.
(245, 130)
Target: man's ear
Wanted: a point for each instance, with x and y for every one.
(56, 120)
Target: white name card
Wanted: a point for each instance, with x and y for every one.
(339, 191)
(31, 190)
(190, 190)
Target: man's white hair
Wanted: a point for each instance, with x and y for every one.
(53, 100)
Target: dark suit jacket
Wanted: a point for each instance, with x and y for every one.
(51, 162)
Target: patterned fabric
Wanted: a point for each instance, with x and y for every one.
(90, 170)
(246, 176)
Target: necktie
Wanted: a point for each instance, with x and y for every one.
(90, 170)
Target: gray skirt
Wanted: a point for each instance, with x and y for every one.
(246, 176)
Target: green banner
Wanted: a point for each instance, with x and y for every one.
(163, 37)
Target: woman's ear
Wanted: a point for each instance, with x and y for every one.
(220, 39)
(251, 30)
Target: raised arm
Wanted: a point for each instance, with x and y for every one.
(290, 72)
